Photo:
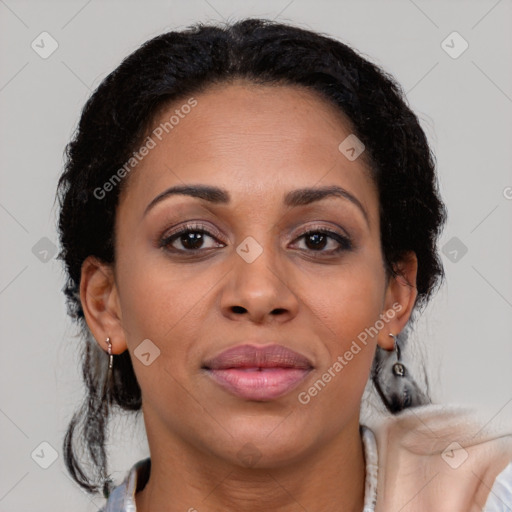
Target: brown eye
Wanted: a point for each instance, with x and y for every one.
(191, 238)
(317, 240)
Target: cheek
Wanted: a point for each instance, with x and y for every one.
(346, 316)
(154, 295)
(350, 337)
(349, 312)
(347, 301)
(167, 305)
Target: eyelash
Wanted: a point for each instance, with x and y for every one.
(345, 243)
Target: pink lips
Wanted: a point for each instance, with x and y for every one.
(258, 372)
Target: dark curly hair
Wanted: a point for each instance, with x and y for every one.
(115, 119)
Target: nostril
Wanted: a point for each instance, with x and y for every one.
(239, 309)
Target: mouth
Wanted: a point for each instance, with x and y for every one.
(260, 373)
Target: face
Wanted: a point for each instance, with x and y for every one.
(253, 263)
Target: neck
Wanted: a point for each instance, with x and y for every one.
(330, 478)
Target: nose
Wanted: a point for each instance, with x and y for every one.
(259, 291)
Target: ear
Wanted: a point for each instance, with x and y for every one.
(400, 296)
(100, 303)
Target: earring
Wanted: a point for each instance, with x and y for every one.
(396, 387)
(110, 356)
(108, 376)
(107, 481)
(398, 367)
(107, 486)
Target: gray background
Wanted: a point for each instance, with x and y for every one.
(465, 107)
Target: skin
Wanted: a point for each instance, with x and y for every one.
(256, 142)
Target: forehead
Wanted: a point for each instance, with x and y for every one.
(252, 139)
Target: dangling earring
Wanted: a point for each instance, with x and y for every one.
(396, 387)
(107, 481)
(109, 368)
(398, 367)
(110, 356)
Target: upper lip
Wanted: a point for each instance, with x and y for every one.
(262, 356)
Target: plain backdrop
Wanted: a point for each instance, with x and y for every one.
(464, 102)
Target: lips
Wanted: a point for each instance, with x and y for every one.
(250, 356)
(260, 373)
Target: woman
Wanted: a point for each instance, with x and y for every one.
(249, 218)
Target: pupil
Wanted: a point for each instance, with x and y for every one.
(317, 237)
(192, 240)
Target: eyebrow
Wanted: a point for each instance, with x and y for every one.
(293, 198)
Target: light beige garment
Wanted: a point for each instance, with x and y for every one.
(438, 459)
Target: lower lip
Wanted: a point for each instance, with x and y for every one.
(264, 384)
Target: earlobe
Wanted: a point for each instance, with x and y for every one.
(400, 297)
(98, 294)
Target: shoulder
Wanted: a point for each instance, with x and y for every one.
(122, 499)
(442, 455)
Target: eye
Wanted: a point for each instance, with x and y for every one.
(191, 238)
(317, 239)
